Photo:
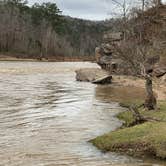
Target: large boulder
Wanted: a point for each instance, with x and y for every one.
(93, 75)
(106, 60)
(159, 71)
(163, 79)
(107, 49)
(107, 52)
(152, 60)
(98, 54)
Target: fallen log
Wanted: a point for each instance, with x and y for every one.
(139, 119)
(103, 80)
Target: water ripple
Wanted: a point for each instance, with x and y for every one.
(47, 118)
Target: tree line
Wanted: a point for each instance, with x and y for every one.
(41, 31)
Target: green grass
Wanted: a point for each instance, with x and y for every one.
(145, 139)
(127, 118)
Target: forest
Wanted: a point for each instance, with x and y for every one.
(42, 32)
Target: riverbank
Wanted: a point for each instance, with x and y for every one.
(159, 85)
(50, 59)
(147, 139)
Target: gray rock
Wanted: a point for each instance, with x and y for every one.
(107, 49)
(98, 54)
(106, 60)
(92, 75)
(163, 79)
(159, 71)
(152, 60)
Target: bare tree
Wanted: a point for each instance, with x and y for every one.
(157, 2)
(150, 101)
(137, 62)
(150, 3)
(143, 5)
(123, 7)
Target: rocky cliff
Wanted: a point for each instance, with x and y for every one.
(142, 41)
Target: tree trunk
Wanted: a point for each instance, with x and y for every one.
(150, 102)
(159, 2)
(143, 5)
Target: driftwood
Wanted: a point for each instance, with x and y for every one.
(139, 119)
(103, 80)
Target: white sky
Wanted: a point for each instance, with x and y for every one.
(86, 9)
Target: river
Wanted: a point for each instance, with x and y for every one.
(47, 118)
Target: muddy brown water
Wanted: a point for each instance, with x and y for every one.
(47, 118)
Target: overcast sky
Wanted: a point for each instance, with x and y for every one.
(86, 9)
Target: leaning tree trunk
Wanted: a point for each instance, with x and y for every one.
(159, 2)
(150, 102)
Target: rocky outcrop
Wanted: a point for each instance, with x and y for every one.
(105, 58)
(108, 58)
(105, 54)
(163, 79)
(159, 71)
(97, 76)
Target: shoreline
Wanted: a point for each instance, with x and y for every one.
(159, 87)
(143, 140)
(56, 59)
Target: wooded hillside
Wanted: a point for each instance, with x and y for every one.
(40, 31)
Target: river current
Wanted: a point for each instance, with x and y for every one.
(47, 117)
